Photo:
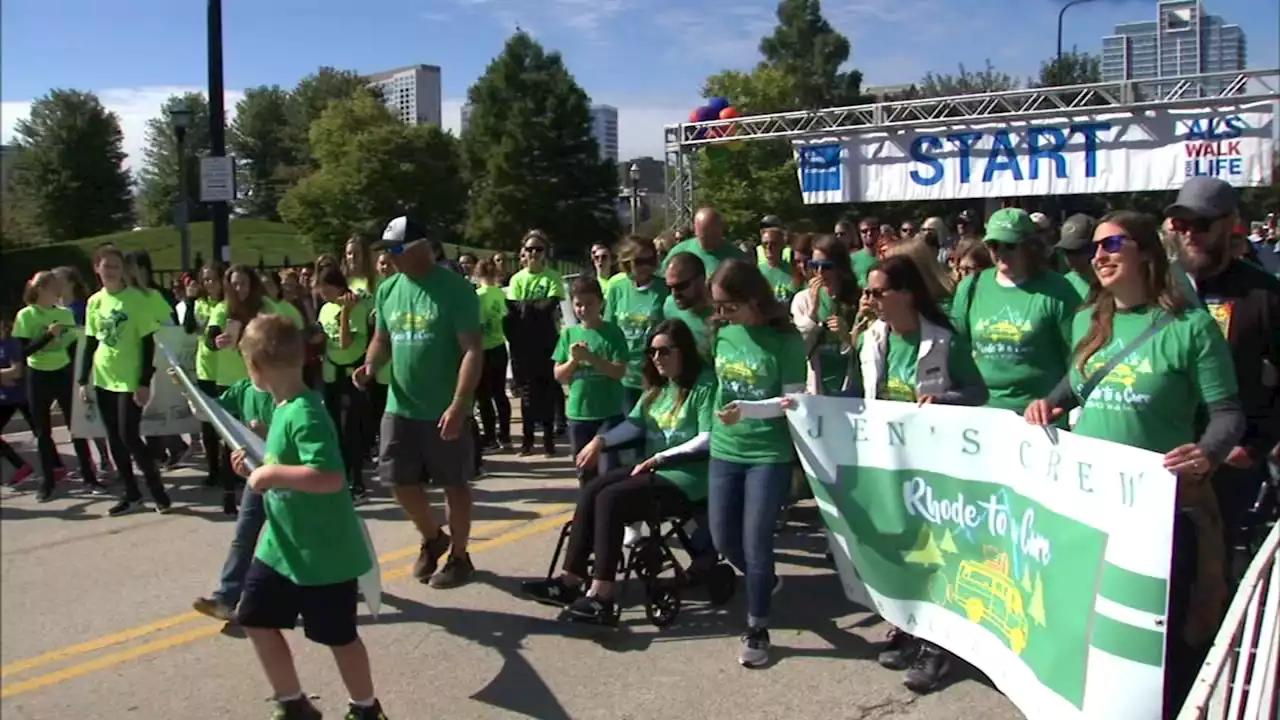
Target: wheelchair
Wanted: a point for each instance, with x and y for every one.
(649, 558)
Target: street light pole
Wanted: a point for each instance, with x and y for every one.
(180, 117)
(634, 174)
(218, 129)
(1062, 12)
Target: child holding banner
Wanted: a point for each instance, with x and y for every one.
(312, 549)
(46, 330)
(119, 329)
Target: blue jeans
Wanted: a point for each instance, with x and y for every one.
(240, 555)
(743, 503)
(582, 432)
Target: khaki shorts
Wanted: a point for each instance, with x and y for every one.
(412, 453)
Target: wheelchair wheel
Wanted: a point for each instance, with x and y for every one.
(662, 608)
(646, 559)
(721, 582)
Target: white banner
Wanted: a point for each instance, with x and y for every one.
(1070, 155)
(1038, 556)
(167, 413)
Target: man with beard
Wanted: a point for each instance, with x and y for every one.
(1245, 301)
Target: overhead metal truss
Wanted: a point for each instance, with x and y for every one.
(1214, 91)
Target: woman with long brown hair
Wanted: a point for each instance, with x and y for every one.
(936, 277)
(634, 303)
(357, 267)
(1146, 364)
(824, 314)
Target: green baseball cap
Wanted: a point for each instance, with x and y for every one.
(1010, 226)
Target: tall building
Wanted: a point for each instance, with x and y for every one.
(466, 118)
(604, 128)
(1181, 40)
(412, 93)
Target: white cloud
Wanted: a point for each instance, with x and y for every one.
(134, 107)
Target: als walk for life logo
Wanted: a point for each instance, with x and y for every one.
(1213, 147)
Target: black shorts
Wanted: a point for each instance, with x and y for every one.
(273, 601)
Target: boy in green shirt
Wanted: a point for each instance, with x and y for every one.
(312, 551)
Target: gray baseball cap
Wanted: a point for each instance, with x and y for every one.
(1077, 233)
(1204, 197)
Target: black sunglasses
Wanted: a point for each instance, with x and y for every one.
(660, 351)
(820, 265)
(996, 248)
(535, 249)
(680, 286)
(1199, 225)
(876, 293)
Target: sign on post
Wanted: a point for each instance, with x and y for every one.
(1039, 557)
(1070, 155)
(217, 179)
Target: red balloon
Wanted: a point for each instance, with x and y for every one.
(693, 116)
(729, 113)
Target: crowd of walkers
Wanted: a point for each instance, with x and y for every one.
(669, 377)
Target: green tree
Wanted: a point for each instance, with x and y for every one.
(1073, 68)
(965, 82)
(158, 180)
(259, 138)
(69, 171)
(810, 53)
(373, 167)
(308, 101)
(529, 155)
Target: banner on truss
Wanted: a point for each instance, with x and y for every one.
(1071, 155)
(1040, 557)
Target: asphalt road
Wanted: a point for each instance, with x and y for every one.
(96, 623)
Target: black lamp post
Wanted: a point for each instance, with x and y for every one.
(218, 129)
(634, 175)
(180, 117)
(1062, 12)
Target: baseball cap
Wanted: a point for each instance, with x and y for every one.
(1077, 233)
(400, 234)
(1010, 226)
(770, 221)
(967, 216)
(1204, 197)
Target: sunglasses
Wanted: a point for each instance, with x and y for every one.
(906, 230)
(1112, 243)
(661, 351)
(875, 293)
(820, 265)
(997, 248)
(535, 250)
(680, 286)
(400, 249)
(1198, 225)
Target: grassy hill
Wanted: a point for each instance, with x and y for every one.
(251, 241)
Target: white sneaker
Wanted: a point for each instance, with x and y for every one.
(632, 535)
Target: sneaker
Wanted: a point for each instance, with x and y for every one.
(214, 608)
(429, 556)
(552, 591)
(163, 503)
(300, 709)
(549, 451)
(21, 475)
(44, 495)
(755, 648)
(632, 535)
(359, 494)
(457, 571)
(124, 507)
(525, 451)
(592, 609)
(899, 650)
(930, 667)
(362, 712)
(229, 504)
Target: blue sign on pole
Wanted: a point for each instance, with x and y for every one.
(820, 168)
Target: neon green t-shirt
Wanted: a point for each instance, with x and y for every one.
(782, 281)
(493, 310)
(862, 262)
(119, 321)
(360, 286)
(636, 311)
(310, 538)
(833, 363)
(544, 284)
(592, 395)
(710, 260)
(284, 308)
(1021, 335)
(699, 323)
(755, 363)
(423, 317)
(159, 306)
(206, 358)
(33, 322)
(666, 426)
(1151, 398)
(246, 403)
(228, 362)
(763, 259)
(352, 356)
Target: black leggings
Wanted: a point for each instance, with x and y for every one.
(538, 402)
(606, 506)
(44, 388)
(350, 424)
(208, 436)
(491, 395)
(123, 418)
(6, 450)
(377, 408)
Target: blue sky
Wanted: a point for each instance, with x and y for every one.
(647, 57)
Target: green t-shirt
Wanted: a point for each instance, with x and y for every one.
(782, 281)
(544, 284)
(119, 321)
(284, 308)
(310, 538)
(160, 307)
(228, 363)
(33, 322)
(1021, 335)
(862, 261)
(833, 363)
(755, 363)
(763, 259)
(699, 324)
(710, 260)
(1078, 282)
(493, 310)
(1151, 398)
(666, 426)
(636, 311)
(358, 324)
(206, 358)
(592, 395)
(423, 317)
(246, 403)
(901, 360)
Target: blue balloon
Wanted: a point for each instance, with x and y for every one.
(717, 104)
(706, 112)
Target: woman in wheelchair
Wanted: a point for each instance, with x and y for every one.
(673, 420)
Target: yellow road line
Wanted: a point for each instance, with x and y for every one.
(124, 636)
